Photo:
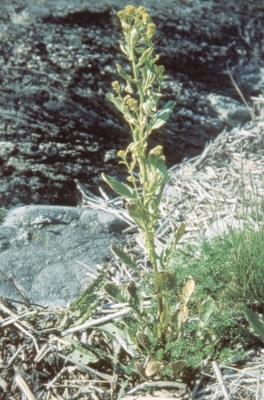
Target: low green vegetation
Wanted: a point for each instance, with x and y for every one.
(229, 266)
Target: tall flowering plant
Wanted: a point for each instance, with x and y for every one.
(136, 97)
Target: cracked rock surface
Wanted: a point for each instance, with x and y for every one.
(57, 64)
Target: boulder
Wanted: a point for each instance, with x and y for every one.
(50, 253)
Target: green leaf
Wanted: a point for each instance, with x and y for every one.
(89, 295)
(210, 338)
(82, 356)
(122, 389)
(135, 300)
(125, 48)
(120, 105)
(177, 319)
(111, 330)
(179, 233)
(143, 340)
(147, 54)
(157, 175)
(149, 106)
(79, 354)
(148, 77)
(177, 366)
(170, 280)
(126, 294)
(124, 75)
(169, 249)
(208, 308)
(79, 316)
(120, 187)
(255, 322)
(156, 166)
(82, 308)
(162, 115)
(119, 293)
(165, 280)
(126, 258)
(159, 281)
(164, 319)
(119, 335)
(137, 214)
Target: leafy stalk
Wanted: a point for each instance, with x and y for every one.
(137, 99)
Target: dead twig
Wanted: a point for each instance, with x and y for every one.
(24, 387)
(220, 379)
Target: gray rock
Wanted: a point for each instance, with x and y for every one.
(250, 77)
(41, 215)
(47, 251)
(229, 111)
(6, 235)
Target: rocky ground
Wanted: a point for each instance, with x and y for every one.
(57, 64)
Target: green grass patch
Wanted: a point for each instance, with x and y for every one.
(228, 269)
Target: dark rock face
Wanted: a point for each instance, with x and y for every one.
(58, 62)
(50, 253)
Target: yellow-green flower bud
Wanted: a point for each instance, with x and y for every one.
(129, 10)
(116, 86)
(121, 154)
(126, 98)
(140, 10)
(145, 17)
(158, 152)
(151, 28)
(132, 104)
(131, 179)
(121, 15)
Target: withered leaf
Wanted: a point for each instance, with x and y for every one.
(143, 340)
(153, 367)
(140, 370)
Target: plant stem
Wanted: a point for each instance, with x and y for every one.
(143, 172)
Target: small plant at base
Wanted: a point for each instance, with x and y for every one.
(238, 243)
(248, 243)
